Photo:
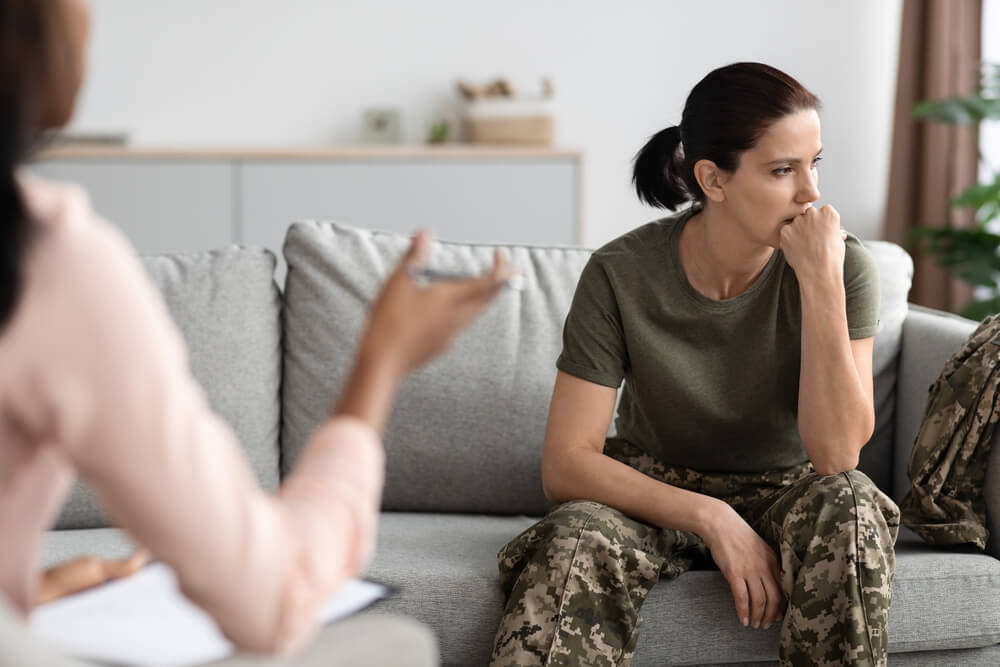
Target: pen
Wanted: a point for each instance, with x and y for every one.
(424, 275)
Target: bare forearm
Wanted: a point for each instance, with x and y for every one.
(835, 414)
(584, 474)
(370, 389)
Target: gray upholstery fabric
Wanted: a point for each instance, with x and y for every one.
(62, 545)
(992, 493)
(895, 275)
(466, 431)
(929, 338)
(227, 307)
(970, 657)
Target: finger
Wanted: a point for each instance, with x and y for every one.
(138, 560)
(774, 600)
(481, 290)
(502, 270)
(776, 573)
(419, 250)
(740, 597)
(758, 601)
(843, 234)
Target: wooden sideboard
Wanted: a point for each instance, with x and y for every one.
(184, 200)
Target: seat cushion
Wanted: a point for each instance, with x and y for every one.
(227, 308)
(444, 567)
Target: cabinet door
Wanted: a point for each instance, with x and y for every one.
(531, 201)
(161, 206)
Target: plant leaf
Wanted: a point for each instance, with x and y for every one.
(980, 310)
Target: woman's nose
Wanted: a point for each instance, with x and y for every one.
(808, 189)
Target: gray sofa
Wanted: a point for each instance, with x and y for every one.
(464, 442)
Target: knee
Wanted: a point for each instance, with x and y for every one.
(830, 500)
(593, 526)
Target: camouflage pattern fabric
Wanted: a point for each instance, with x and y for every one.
(575, 581)
(947, 465)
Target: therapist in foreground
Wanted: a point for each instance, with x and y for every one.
(94, 381)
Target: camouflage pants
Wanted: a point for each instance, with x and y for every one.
(575, 581)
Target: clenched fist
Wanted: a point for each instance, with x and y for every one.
(813, 244)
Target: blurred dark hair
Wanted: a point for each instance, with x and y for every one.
(27, 40)
(726, 113)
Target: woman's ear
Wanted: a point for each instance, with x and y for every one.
(711, 180)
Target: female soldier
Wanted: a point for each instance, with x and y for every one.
(742, 327)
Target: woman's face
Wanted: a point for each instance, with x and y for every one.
(777, 179)
(68, 62)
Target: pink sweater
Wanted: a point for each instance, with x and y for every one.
(94, 380)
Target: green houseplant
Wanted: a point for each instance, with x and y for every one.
(972, 254)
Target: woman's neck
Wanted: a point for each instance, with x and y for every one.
(718, 260)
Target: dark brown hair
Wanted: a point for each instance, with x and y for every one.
(28, 39)
(726, 113)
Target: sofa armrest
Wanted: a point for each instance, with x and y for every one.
(929, 339)
(992, 493)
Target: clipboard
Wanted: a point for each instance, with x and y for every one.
(144, 620)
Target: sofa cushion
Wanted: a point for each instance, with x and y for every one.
(895, 277)
(227, 308)
(466, 431)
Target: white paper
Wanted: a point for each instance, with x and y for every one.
(145, 620)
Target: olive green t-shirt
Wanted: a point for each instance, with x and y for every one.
(710, 385)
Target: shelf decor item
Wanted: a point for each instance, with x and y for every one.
(381, 126)
(494, 114)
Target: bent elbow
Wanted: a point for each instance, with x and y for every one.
(835, 466)
(555, 483)
(551, 485)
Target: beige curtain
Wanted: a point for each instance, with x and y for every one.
(940, 45)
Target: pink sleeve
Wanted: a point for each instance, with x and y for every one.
(134, 422)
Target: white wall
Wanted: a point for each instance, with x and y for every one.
(989, 131)
(263, 72)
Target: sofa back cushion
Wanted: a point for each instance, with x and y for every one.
(895, 275)
(228, 310)
(466, 431)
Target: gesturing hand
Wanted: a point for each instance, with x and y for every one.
(813, 244)
(410, 324)
(749, 565)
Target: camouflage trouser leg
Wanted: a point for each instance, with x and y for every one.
(834, 536)
(575, 581)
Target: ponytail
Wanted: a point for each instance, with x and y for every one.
(658, 172)
(725, 115)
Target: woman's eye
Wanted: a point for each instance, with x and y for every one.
(816, 161)
(782, 171)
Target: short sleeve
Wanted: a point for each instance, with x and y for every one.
(593, 338)
(861, 286)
